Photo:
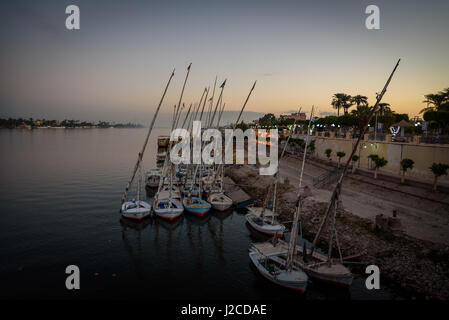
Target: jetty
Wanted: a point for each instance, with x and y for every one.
(239, 197)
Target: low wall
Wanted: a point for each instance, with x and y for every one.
(422, 154)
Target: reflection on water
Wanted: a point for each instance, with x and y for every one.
(60, 196)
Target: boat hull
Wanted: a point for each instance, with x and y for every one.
(295, 280)
(220, 201)
(344, 281)
(196, 206)
(271, 230)
(164, 210)
(142, 211)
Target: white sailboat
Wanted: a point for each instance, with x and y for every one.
(263, 220)
(274, 268)
(140, 209)
(286, 273)
(136, 209)
(167, 202)
(153, 178)
(219, 200)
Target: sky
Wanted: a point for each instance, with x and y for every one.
(300, 52)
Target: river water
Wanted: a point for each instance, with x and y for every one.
(60, 195)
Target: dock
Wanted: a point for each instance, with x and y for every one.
(239, 197)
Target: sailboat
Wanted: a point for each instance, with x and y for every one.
(167, 202)
(140, 209)
(320, 266)
(153, 178)
(276, 265)
(219, 200)
(263, 220)
(136, 209)
(275, 269)
(195, 204)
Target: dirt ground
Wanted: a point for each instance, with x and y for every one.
(415, 260)
(421, 218)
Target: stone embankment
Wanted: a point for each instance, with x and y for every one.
(418, 268)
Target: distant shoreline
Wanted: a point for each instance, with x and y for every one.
(30, 124)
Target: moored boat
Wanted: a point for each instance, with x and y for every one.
(274, 268)
(153, 178)
(220, 201)
(263, 220)
(316, 265)
(136, 210)
(168, 208)
(196, 206)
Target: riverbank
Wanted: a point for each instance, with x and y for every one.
(418, 267)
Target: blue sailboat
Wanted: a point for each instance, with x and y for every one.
(196, 205)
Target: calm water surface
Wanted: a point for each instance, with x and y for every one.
(60, 192)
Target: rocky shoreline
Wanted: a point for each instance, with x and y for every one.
(419, 269)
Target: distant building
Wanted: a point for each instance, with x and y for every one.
(295, 116)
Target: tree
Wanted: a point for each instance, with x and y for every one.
(341, 100)
(340, 155)
(362, 114)
(311, 146)
(354, 159)
(359, 100)
(405, 165)
(384, 107)
(435, 100)
(438, 169)
(242, 125)
(328, 153)
(335, 103)
(267, 120)
(379, 162)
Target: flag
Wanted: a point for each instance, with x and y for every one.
(223, 84)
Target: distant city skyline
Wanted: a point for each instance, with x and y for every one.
(301, 53)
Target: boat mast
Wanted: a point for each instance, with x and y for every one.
(140, 155)
(337, 189)
(210, 121)
(294, 231)
(276, 177)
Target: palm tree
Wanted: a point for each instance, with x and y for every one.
(341, 100)
(336, 104)
(362, 114)
(435, 100)
(359, 100)
(405, 165)
(438, 169)
(384, 107)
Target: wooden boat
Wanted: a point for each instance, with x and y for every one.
(168, 208)
(140, 209)
(153, 178)
(316, 265)
(274, 268)
(277, 266)
(220, 201)
(263, 220)
(196, 206)
(136, 210)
